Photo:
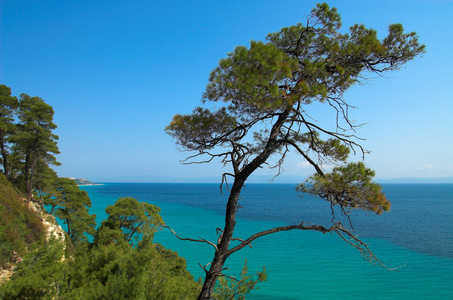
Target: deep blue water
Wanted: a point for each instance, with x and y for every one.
(416, 234)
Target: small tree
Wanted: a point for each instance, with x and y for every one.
(124, 263)
(262, 95)
(129, 220)
(70, 204)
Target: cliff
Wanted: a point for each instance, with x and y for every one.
(22, 228)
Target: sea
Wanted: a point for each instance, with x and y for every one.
(415, 237)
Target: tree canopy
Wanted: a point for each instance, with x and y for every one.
(8, 105)
(129, 220)
(114, 266)
(71, 205)
(28, 144)
(34, 141)
(257, 106)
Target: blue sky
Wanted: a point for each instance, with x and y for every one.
(116, 72)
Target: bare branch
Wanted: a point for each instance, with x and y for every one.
(362, 247)
(204, 267)
(337, 228)
(342, 137)
(192, 240)
(298, 149)
(224, 180)
(242, 241)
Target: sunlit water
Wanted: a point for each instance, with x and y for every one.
(417, 235)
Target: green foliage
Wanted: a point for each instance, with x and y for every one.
(34, 144)
(232, 288)
(267, 89)
(45, 183)
(123, 263)
(332, 148)
(20, 227)
(119, 271)
(349, 186)
(251, 77)
(211, 126)
(41, 275)
(71, 205)
(8, 105)
(129, 220)
(116, 269)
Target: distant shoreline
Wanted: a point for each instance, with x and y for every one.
(285, 179)
(261, 183)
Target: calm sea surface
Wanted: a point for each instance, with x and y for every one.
(417, 234)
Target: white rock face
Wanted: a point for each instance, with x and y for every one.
(49, 222)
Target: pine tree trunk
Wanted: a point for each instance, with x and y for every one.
(223, 252)
(4, 156)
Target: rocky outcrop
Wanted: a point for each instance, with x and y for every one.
(53, 229)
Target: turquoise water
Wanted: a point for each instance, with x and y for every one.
(417, 235)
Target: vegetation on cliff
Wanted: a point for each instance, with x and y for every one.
(112, 266)
(20, 227)
(116, 260)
